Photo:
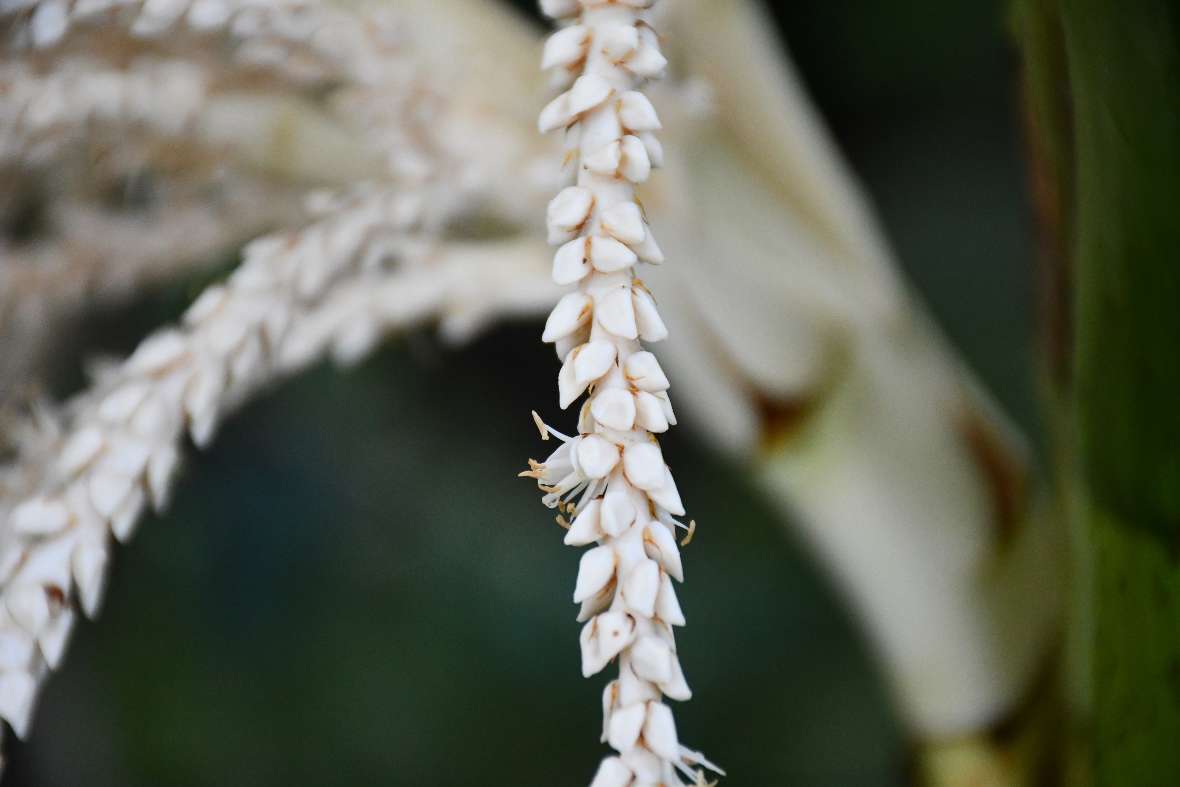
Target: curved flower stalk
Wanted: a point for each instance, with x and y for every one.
(610, 479)
(366, 268)
(122, 445)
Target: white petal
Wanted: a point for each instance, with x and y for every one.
(651, 658)
(553, 467)
(659, 731)
(40, 517)
(634, 162)
(636, 112)
(17, 692)
(202, 428)
(153, 420)
(88, 565)
(644, 371)
(566, 46)
(588, 92)
(624, 221)
(159, 14)
(81, 449)
(641, 587)
(571, 262)
(596, 604)
(16, 649)
(125, 456)
(202, 397)
(107, 492)
(617, 510)
(597, 456)
(556, 114)
(568, 387)
(157, 352)
(609, 695)
(667, 496)
(118, 406)
(48, 23)
(55, 636)
(223, 336)
(592, 658)
(633, 689)
(126, 517)
(208, 14)
(676, 687)
(611, 772)
(595, 570)
(606, 160)
(592, 360)
(567, 212)
(648, 250)
(649, 413)
(666, 401)
(605, 130)
(647, 767)
(570, 313)
(660, 545)
(625, 726)
(615, 311)
(161, 471)
(647, 318)
(561, 79)
(667, 605)
(655, 150)
(585, 419)
(559, 9)
(614, 408)
(48, 565)
(616, 631)
(618, 42)
(585, 528)
(566, 344)
(10, 560)
(609, 255)
(644, 465)
(29, 607)
(647, 60)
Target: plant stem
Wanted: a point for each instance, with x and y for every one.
(1123, 66)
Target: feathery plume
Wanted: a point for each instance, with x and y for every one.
(610, 480)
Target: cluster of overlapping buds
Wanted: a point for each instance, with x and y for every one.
(610, 483)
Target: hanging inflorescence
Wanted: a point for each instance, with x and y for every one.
(610, 483)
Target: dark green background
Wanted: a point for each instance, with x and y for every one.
(352, 587)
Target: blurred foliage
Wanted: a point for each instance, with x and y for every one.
(1126, 101)
(352, 587)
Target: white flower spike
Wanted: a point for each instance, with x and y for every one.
(611, 478)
